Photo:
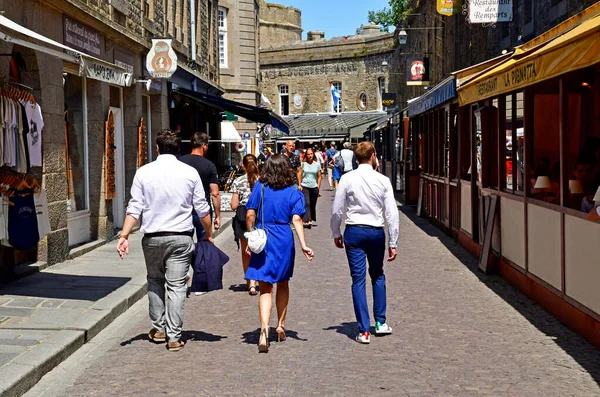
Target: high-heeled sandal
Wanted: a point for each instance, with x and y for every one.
(280, 334)
(263, 342)
(252, 290)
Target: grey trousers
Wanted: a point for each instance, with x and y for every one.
(168, 259)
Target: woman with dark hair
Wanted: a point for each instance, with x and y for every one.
(241, 189)
(310, 184)
(274, 203)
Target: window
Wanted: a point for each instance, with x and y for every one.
(147, 9)
(284, 100)
(362, 101)
(222, 37)
(528, 12)
(75, 122)
(338, 108)
(381, 82)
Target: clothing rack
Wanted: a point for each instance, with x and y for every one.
(17, 91)
(14, 181)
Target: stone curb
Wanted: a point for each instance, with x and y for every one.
(25, 371)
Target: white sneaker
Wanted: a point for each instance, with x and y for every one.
(382, 329)
(364, 338)
(199, 293)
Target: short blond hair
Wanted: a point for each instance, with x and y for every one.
(364, 151)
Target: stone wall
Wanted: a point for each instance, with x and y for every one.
(458, 45)
(279, 24)
(307, 67)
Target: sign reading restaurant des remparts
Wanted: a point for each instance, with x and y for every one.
(490, 11)
(161, 61)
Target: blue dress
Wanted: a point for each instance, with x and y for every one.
(276, 262)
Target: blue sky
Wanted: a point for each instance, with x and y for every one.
(335, 18)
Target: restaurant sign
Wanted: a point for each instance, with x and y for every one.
(161, 61)
(490, 11)
(417, 71)
(81, 37)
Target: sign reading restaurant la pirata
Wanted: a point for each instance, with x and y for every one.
(490, 11)
(161, 61)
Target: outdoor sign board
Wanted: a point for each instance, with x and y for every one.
(81, 37)
(445, 7)
(490, 11)
(104, 72)
(417, 71)
(161, 61)
(388, 99)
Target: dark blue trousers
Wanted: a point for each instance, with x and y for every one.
(362, 244)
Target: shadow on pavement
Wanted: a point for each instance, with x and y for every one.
(573, 344)
(252, 337)
(237, 287)
(140, 337)
(349, 329)
(201, 336)
(64, 286)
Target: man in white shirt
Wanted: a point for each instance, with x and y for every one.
(369, 199)
(165, 192)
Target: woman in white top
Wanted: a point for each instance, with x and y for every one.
(241, 190)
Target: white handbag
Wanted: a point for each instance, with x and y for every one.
(257, 238)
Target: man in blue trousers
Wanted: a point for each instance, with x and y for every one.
(369, 199)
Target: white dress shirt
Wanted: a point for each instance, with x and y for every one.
(369, 198)
(165, 192)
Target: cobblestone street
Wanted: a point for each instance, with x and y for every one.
(456, 332)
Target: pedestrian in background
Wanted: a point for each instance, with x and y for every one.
(275, 200)
(164, 193)
(349, 159)
(310, 184)
(293, 160)
(208, 174)
(240, 193)
(332, 151)
(369, 199)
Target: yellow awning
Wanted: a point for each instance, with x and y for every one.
(574, 50)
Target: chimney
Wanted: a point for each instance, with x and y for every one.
(370, 29)
(314, 35)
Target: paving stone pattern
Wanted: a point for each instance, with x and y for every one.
(456, 333)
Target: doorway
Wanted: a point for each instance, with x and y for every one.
(116, 98)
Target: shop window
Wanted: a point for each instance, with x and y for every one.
(74, 97)
(284, 100)
(544, 178)
(582, 140)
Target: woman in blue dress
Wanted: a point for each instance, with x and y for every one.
(281, 204)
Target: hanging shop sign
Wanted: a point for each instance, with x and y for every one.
(161, 61)
(81, 37)
(490, 11)
(388, 99)
(445, 7)
(417, 71)
(104, 72)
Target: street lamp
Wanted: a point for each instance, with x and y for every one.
(403, 36)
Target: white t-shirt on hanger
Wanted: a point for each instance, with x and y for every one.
(34, 136)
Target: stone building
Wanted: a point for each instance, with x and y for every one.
(238, 54)
(107, 42)
(279, 24)
(452, 44)
(296, 76)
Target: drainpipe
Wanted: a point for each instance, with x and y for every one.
(193, 26)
